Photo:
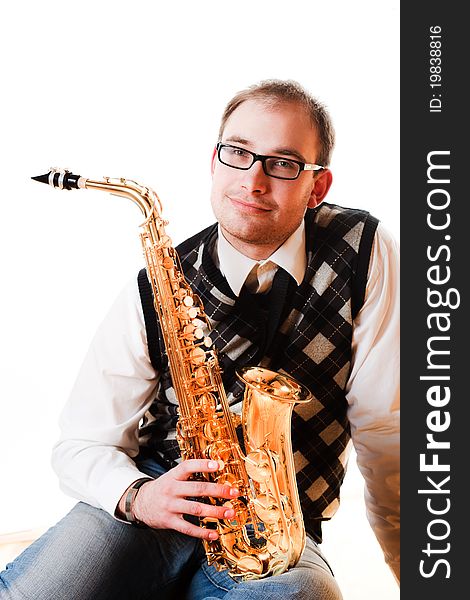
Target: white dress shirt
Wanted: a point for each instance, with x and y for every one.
(116, 385)
(236, 267)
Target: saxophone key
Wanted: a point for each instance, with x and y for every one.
(201, 377)
(267, 509)
(180, 293)
(167, 263)
(198, 333)
(191, 333)
(212, 432)
(219, 449)
(198, 323)
(226, 477)
(197, 356)
(185, 313)
(278, 541)
(240, 518)
(193, 312)
(258, 466)
(188, 301)
(206, 403)
(188, 332)
(165, 242)
(250, 564)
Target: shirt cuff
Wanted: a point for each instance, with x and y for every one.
(114, 485)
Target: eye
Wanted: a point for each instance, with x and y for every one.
(236, 151)
(233, 156)
(281, 164)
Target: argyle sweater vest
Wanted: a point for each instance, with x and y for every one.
(311, 342)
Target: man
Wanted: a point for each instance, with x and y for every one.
(312, 292)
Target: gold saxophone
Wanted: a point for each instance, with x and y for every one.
(266, 536)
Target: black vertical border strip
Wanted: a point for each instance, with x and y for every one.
(434, 556)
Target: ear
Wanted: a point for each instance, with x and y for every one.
(320, 189)
(213, 160)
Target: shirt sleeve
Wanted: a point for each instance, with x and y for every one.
(373, 395)
(99, 423)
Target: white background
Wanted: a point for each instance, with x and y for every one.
(133, 90)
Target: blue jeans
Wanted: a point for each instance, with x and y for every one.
(89, 555)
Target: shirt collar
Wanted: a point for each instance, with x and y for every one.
(235, 266)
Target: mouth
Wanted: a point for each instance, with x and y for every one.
(248, 205)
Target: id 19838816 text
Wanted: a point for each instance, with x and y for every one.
(435, 68)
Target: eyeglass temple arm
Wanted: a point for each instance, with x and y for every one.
(310, 167)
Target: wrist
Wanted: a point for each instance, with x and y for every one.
(129, 498)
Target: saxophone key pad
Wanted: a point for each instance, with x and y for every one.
(193, 312)
(167, 263)
(197, 356)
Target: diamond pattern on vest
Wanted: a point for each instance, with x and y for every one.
(353, 236)
(331, 509)
(341, 376)
(317, 489)
(324, 277)
(319, 348)
(309, 409)
(299, 461)
(331, 433)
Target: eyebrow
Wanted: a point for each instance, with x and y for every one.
(282, 150)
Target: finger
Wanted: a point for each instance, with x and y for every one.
(199, 509)
(205, 489)
(179, 524)
(196, 465)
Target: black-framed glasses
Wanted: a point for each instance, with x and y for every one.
(274, 166)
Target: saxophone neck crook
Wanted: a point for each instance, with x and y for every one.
(145, 198)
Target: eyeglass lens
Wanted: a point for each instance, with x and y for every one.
(274, 166)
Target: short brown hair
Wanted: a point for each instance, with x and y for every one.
(277, 91)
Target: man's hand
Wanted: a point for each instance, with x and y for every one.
(162, 503)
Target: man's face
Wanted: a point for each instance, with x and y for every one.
(256, 212)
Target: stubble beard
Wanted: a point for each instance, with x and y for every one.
(258, 235)
(266, 232)
(248, 234)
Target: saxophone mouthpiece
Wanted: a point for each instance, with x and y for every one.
(61, 178)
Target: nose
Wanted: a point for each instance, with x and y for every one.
(255, 180)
